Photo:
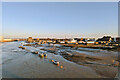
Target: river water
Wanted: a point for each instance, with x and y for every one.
(20, 63)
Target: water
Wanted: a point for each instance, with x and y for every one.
(19, 63)
(0, 60)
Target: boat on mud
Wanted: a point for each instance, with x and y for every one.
(35, 52)
(45, 55)
(41, 55)
(55, 62)
(22, 47)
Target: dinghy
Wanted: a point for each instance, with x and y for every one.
(22, 47)
(45, 55)
(55, 62)
(35, 52)
(41, 55)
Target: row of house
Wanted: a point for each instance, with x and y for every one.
(107, 40)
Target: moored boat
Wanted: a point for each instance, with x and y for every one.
(55, 62)
(22, 47)
(35, 52)
(41, 55)
(45, 55)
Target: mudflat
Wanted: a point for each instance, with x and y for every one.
(77, 63)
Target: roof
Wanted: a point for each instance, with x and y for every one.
(105, 38)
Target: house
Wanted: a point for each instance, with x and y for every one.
(104, 40)
(73, 41)
(7, 40)
(36, 40)
(90, 42)
(80, 39)
(82, 42)
(62, 42)
(29, 40)
(90, 39)
(49, 41)
(1, 38)
(115, 41)
(118, 40)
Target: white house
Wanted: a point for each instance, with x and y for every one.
(74, 41)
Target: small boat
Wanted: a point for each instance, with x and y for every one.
(22, 47)
(55, 62)
(35, 52)
(45, 55)
(41, 55)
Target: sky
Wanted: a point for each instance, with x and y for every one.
(59, 19)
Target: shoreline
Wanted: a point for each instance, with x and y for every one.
(99, 62)
(90, 46)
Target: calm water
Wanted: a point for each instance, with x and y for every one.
(18, 63)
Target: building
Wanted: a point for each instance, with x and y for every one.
(7, 40)
(115, 41)
(1, 38)
(29, 40)
(90, 42)
(118, 40)
(82, 42)
(90, 39)
(104, 40)
(74, 41)
(80, 39)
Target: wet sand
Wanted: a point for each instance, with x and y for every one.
(19, 63)
(103, 62)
